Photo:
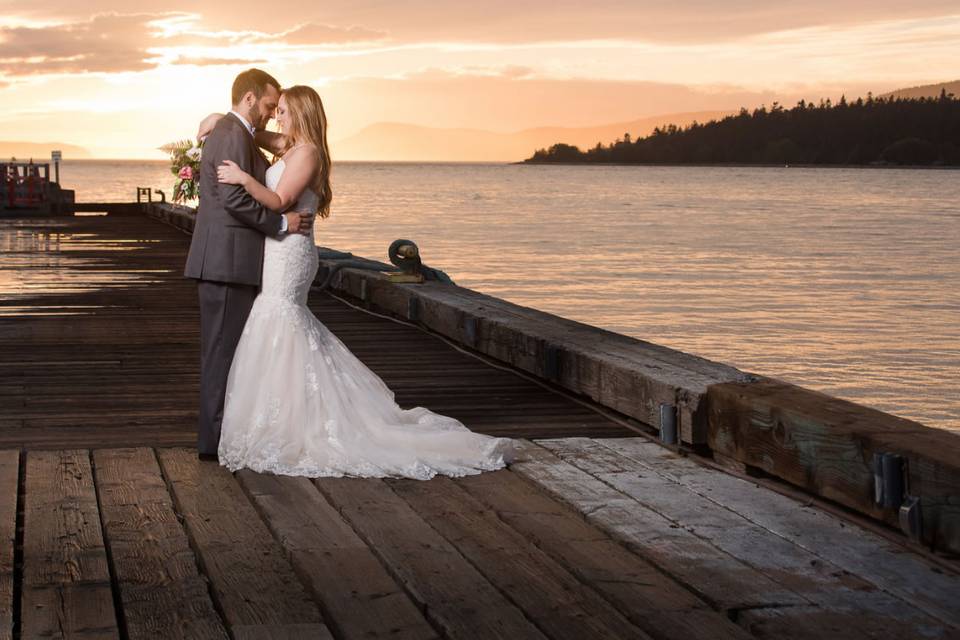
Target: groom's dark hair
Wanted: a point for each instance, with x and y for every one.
(252, 80)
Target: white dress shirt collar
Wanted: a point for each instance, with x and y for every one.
(245, 123)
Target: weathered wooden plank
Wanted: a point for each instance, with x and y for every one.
(162, 433)
(103, 417)
(909, 576)
(817, 580)
(66, 580)
(653, 601)
(560, 605)
(362, 601)
(250, 579)
(9, 481)
(720, 579)
(282, 632)
(455, 596)
(805, 623)
(826, 445)
(162, 593)
(797, 623)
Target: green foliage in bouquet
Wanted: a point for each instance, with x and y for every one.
(185, 165)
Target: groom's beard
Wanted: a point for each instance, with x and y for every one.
(254, 117)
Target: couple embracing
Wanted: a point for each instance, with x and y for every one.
(279, 392)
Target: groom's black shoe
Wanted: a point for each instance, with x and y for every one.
(208, 456)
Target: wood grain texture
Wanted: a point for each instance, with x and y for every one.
(282, 632)
(550, 596)
(9, 480)
(66, 579)
(250, 578)
(454, 595)
(825, 445)
(723, 581)
(836, 592)
(800, 623)
(908, 576)
(653, 601)
(163, 594)
(359, 598)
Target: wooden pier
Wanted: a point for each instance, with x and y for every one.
(111, 528)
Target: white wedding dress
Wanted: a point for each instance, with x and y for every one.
(299, 403)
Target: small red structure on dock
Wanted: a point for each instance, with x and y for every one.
(24, 184)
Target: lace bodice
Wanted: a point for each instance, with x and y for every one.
(290, 261)
(307, 201)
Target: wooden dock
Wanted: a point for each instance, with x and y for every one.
(111, 528)
(100, 333)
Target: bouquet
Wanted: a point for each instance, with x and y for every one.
(185, 164)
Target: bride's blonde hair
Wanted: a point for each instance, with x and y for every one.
(309, 124)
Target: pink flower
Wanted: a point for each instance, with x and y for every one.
(186, 173)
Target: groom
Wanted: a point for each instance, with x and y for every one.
(226, 252)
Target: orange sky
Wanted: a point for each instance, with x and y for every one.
(120, 81)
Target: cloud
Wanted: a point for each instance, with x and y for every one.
(117, 42)
(516, 71)
(518, 21)
(511, 71)
(209, 62)
(321, 34)
(104, 43)
(187, 30)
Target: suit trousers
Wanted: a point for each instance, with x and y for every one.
(224, 308)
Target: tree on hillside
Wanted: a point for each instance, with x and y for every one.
(921, 131)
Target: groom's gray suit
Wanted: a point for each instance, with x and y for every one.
(226, 258)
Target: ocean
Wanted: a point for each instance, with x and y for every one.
(842, 280)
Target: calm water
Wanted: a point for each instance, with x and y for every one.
(846, 281)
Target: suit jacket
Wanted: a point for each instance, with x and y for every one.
(227, 243)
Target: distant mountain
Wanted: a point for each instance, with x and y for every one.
(399, 141)
(927, 90)
(39, 151)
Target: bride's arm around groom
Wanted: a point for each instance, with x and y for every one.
(228, 142)
(302, 164)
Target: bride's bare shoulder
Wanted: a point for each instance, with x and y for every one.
(305, 153)
(305, 148)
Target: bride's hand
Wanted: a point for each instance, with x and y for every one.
(230, 173)
(207, 125)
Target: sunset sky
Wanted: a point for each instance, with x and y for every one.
(120, 80)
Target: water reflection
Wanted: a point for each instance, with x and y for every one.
(41, 258)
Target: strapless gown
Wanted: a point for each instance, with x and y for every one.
(299, 403)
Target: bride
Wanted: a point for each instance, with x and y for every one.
(298, 402)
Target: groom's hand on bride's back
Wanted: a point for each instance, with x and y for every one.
(301, 223)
